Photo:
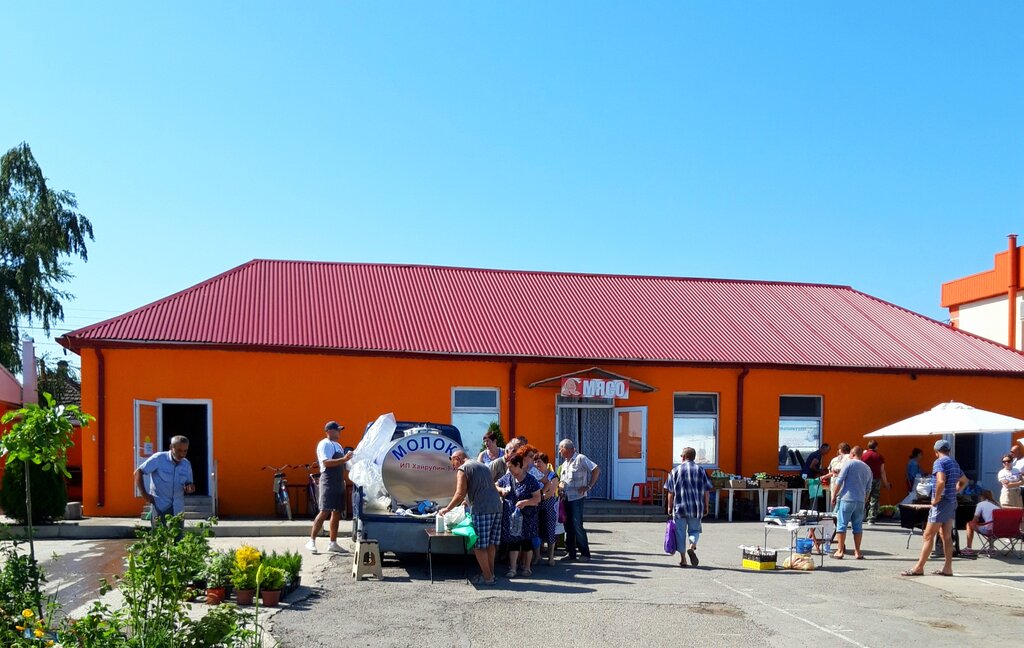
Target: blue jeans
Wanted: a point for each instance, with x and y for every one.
(575, 534)
(687, 531)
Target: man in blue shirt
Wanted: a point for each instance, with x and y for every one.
(949, 481)
(688, 489)
(170, 477)
(850, 490)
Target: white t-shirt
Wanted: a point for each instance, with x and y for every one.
(984, 509)
(1019, 465)
(325, 450)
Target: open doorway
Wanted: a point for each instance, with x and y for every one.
(190, 420)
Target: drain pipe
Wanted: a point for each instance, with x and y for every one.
(101, 425)
(512, 400)
(1012, 288)
(739, 419)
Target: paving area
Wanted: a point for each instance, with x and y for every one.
(630, 594)
(633, 594)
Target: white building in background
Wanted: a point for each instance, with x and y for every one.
(989, 304)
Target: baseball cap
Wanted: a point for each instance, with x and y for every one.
(942, 445)
(333, 425)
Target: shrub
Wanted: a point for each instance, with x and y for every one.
(272, 578)
(49, 493)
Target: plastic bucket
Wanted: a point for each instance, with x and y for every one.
(804, 545)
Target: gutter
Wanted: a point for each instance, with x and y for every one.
(101, 425)
(739, 419)
(1012, 289)
(512, 400)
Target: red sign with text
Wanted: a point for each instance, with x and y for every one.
(594, 388)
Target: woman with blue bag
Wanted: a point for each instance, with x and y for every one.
(520, 493)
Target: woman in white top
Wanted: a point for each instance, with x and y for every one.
(491, 449)
(982, 522)
(1011, 480)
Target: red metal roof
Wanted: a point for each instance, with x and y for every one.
(472, 312)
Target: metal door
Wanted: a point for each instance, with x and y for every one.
(630, 452)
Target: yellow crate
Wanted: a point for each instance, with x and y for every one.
(758, 565)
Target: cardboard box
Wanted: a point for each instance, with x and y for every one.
(737, 483)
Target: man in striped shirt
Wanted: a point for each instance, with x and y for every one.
(688, 489)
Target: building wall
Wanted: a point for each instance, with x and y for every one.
(988, 318)
(269, 408)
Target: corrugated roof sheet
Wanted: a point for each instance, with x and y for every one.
(473, 312)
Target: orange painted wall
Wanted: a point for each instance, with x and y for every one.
(269, 408)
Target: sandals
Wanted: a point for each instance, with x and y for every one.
(939, 572)
(510, 573)
(910, 572)
(526, 573)
(479, 580)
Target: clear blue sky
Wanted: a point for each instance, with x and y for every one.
(877, 145)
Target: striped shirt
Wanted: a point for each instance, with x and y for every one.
(688, 482)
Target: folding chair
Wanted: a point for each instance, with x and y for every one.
(1005, 536)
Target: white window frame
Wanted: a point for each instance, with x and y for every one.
(820, 420)
(702, 415)
(496, 410)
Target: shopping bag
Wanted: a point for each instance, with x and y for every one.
(561, 511)
(670, 537)
(466, 530)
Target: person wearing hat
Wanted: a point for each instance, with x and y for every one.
(331, 456)
(949, 481)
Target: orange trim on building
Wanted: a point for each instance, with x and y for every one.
(982, 285)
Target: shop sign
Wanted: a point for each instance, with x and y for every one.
(594, 388)
(418, 467)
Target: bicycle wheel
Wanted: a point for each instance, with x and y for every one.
(286, 503)
(313, 497)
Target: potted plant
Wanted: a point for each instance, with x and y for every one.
(244, 572)
(888, 511)
(218, 576)
(293, 570)
(270, 581)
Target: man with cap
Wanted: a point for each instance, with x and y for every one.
(331, 456)
(949, 480)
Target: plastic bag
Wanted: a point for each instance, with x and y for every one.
(515, 525)
(924, 486)
(561, 511)
(455, 516)
(670, 537)
(801, 562)
(466, 530)
(363, 468)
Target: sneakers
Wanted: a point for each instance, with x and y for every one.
(335, 547)
(311, 545)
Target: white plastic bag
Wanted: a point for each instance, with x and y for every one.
(363, 469)
(454, 516)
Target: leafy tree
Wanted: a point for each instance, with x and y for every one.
(39, 229)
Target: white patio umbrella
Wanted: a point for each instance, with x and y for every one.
(951, 418)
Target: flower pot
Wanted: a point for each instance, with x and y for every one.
(294, 585)
(215, 595)
(245, 596)
(270, 598)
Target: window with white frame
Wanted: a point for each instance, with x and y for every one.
(799, 430)
(695, 425)
(473, 410)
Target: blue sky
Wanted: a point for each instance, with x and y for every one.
(877, 145)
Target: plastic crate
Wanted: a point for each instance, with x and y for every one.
(760, 559)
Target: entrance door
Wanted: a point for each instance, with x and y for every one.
(630, 450)
(190, 419)
(148, 422)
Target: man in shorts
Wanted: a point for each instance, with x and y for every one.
(850, 489)
(473, 482)
(331, 456)
(949, 480)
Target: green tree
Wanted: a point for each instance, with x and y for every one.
(39, 229)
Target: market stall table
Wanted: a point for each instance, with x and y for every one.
(732, 491)
(825, 525)
(432, 536)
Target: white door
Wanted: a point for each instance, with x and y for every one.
(148, 423)
(630, 450)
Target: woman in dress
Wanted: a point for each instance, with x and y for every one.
(548, 509)
(491, 449)
(519, 491)
(1011, 479)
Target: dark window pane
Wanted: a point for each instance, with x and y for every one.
(799, 405)
(476, 398)
(696, 403)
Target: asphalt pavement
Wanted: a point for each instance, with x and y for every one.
(632, 593)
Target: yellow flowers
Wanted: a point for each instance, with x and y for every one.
(38, 633)
(247, 557)
(28, 614)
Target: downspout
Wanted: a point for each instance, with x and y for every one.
(1013, 287)
(739, 419)
(512, 400)
(101, 425)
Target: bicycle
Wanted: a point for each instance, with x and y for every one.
(282, 503)
(312, 488)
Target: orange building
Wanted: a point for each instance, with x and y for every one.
(251, 363)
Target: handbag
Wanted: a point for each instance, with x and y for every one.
(670, 537)
(561, 511)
